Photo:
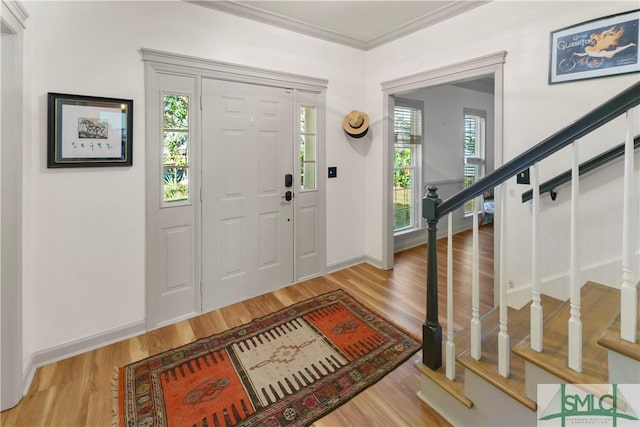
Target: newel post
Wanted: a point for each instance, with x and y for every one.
(431, 329)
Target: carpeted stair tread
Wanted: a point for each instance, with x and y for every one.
(599, 306)
(610, 339)
(456, 388)
(487, 366)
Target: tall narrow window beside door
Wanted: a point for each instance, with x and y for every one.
(474, 150)
(308, 134)
(175, 151)
(407, 164)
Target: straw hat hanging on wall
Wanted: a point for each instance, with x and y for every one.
(356, 124)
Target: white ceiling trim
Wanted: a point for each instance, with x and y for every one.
(15, 9)
(267, 17)
(439, 15)
(271, 18)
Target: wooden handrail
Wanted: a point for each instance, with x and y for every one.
(550, 185)
(597, 117)
(433, 208)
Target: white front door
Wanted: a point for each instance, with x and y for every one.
(247, 222)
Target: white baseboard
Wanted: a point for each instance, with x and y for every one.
(409, 240)
(337, 266)
(73, 348)
(374, 261)
(517, 298)
(442, 232)
(419, 237)
(341, 265)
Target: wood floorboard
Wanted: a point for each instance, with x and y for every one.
(77, 391)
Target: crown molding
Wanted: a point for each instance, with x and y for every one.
(422, 22)
(270, 18)
(16, 11)
(267, 17)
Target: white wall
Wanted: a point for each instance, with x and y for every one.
(533, 110)
(84, 228)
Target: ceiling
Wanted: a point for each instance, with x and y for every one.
(360, 24)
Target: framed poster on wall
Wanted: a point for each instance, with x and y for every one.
(85, 131)
(602, 47)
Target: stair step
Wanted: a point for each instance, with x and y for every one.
(456, 387)
(599, 304)
(487, 366)
(610, 339)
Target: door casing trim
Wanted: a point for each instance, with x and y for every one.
(160, 62)
(469, 69)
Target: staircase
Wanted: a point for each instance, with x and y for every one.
(490, 373)
(480, 396)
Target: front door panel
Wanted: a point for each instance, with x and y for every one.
(247, 224)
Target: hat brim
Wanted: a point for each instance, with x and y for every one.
(357, 135)
(358, 132)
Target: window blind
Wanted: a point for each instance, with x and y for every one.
(407, 125)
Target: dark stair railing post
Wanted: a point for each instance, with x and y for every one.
(431, 329)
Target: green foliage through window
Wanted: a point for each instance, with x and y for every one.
(175, 152)
(406, 165)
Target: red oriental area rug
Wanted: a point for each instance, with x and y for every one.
(285, 369)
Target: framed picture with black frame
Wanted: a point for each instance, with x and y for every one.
(598, 48)
(88, 131)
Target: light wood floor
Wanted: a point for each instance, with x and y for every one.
(77, 391)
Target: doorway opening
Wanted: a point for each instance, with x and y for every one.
(472, 88)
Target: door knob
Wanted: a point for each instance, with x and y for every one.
(288, 196)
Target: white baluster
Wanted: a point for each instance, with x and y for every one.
(504, 348)
(575, 324)
(476, 327)
(628, 290)
(536, 306)
(450, 345)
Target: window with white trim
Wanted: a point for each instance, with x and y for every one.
(407, 164)
(308, 134)
(475, 133)
(175, 149)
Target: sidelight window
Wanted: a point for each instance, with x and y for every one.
(175, 152)
(308, 155)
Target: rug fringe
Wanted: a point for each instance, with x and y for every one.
(115, 421)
